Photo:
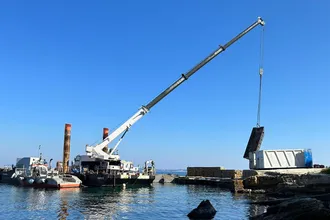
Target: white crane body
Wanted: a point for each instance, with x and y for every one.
(97, 150)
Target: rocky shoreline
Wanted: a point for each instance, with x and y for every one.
(291, 196)
(289, 184)
(296, 209)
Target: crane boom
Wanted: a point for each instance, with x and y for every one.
(96, 151)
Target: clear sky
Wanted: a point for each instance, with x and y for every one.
(94, 64)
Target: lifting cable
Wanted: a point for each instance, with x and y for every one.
(261, 71)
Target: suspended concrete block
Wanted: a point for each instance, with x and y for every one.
(255, 141)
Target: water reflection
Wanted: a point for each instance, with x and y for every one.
(252, 210)
(32, 200)
(161, 201)
(63, 213)
(96, 203)
(36, 200)
(256, 209)
(65, 195)
(235, 205)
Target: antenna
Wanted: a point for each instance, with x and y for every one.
(39, 151)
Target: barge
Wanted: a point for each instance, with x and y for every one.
(94, 172)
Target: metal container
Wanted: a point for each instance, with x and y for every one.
(252, 160)
(277, 159)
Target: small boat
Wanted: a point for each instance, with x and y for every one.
(36, 171)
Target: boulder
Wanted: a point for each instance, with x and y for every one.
(297, 209)
(205, 210)
(165, 178)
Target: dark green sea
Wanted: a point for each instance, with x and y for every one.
(160, 201)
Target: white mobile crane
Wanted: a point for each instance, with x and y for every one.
(97, 150)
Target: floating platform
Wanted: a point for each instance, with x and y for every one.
(55, 182)
(60, 182)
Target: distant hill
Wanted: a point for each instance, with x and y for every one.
(173, 170)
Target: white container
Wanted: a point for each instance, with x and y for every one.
(275, 159)
(252, 160)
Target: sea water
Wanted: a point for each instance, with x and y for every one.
(159, 201)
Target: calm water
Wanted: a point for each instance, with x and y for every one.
(168, 201)
(180, 173)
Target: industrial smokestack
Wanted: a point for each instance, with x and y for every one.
(105, 135)
(66, 148)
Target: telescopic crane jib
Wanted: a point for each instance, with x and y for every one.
(97, 150)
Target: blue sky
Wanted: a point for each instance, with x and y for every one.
(94, 64)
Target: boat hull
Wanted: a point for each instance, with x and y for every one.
(60, 182)
(106, 180)
(6, 177)
(59, 186)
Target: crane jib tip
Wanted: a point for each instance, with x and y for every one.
(261, 21)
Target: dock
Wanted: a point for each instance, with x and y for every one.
(246, 180)
(214, 176)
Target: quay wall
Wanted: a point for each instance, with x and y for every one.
(219, 172)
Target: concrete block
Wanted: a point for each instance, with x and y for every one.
(205, 171)
(232, 174)
(248, 173)
(214, 172)
(237, 185)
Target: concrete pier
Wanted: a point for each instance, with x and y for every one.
(219, 172)
(245, 180)
(233, 185)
